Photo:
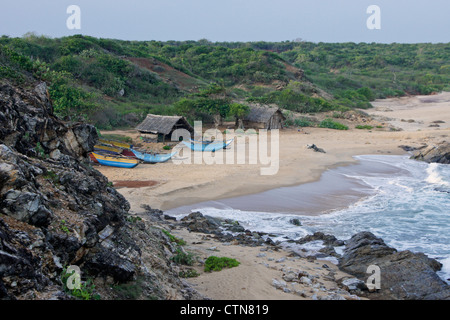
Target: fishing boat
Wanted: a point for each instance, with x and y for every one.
(106, 149)
(208, 146)
(153, 158)
(129, 153)
(93, 158)
(115, 161)
(116, 143)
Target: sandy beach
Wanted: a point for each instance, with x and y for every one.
(173, 185)
(412, 121)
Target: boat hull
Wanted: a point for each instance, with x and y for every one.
(115, 162)
(109, 150)
(204, 147)
(153, 158)
(116, 143)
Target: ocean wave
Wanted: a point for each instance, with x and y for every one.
(434, 175)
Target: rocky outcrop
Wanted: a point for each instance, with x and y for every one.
(439, 153)
(57, 211)
(29, 126)
(224, 230)
(404, 275)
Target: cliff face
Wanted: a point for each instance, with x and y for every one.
(57, 211)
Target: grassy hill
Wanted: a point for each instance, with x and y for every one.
(115, 83)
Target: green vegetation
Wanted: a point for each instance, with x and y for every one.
(172, 238)
(113, 83)
(182, 257)
(131, 219)
(189, 273)
(86, 290)
(116, 137)
(367, 127)
(347, 69)
(331, 124)
(131, 290)
(63, 226)
(40, 150)
(52, 176)
(214, 263)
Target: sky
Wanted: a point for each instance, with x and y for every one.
(401, 21)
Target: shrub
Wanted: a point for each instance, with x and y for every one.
(189, 273)
(214, 263)
(367, 127)
(329, 123)
(86, 290)
(303, 122)
(182, 257)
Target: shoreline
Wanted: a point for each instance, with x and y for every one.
(184, 185)
(189, 184)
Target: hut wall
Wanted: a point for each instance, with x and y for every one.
(254, 125)
(276, 121)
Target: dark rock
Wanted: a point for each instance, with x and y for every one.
(295, 222)
(167, 217)
(315, 148)
(328, 240)
(105, 262)
(64, 246)
(439, 153)
(404, 275)
(196, 222)
(409, 148)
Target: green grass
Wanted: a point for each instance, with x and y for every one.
(214, 263)
(130, 290)
(331, 124)
(366, 127)
(172, 238)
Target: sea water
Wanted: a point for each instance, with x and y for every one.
(403, 201)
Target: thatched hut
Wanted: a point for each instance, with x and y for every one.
(163, 126)
(264, 117)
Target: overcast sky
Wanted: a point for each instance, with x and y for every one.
(406, 21)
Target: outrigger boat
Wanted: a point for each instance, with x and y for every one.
(116, 144)
(107, 149)
(114, 161)
(152, 158)
(208, 146)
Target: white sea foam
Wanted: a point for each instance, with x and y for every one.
(434, 176)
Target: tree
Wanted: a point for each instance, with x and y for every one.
(239, 111)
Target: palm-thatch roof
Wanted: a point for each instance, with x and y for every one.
(260, 113)
(163, 124)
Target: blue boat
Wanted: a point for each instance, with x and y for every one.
(208, 146)
(115, 162)
(153, 158)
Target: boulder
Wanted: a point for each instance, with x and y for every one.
(404, 275)
(439, 153)
(197, 222)
(328, 240)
